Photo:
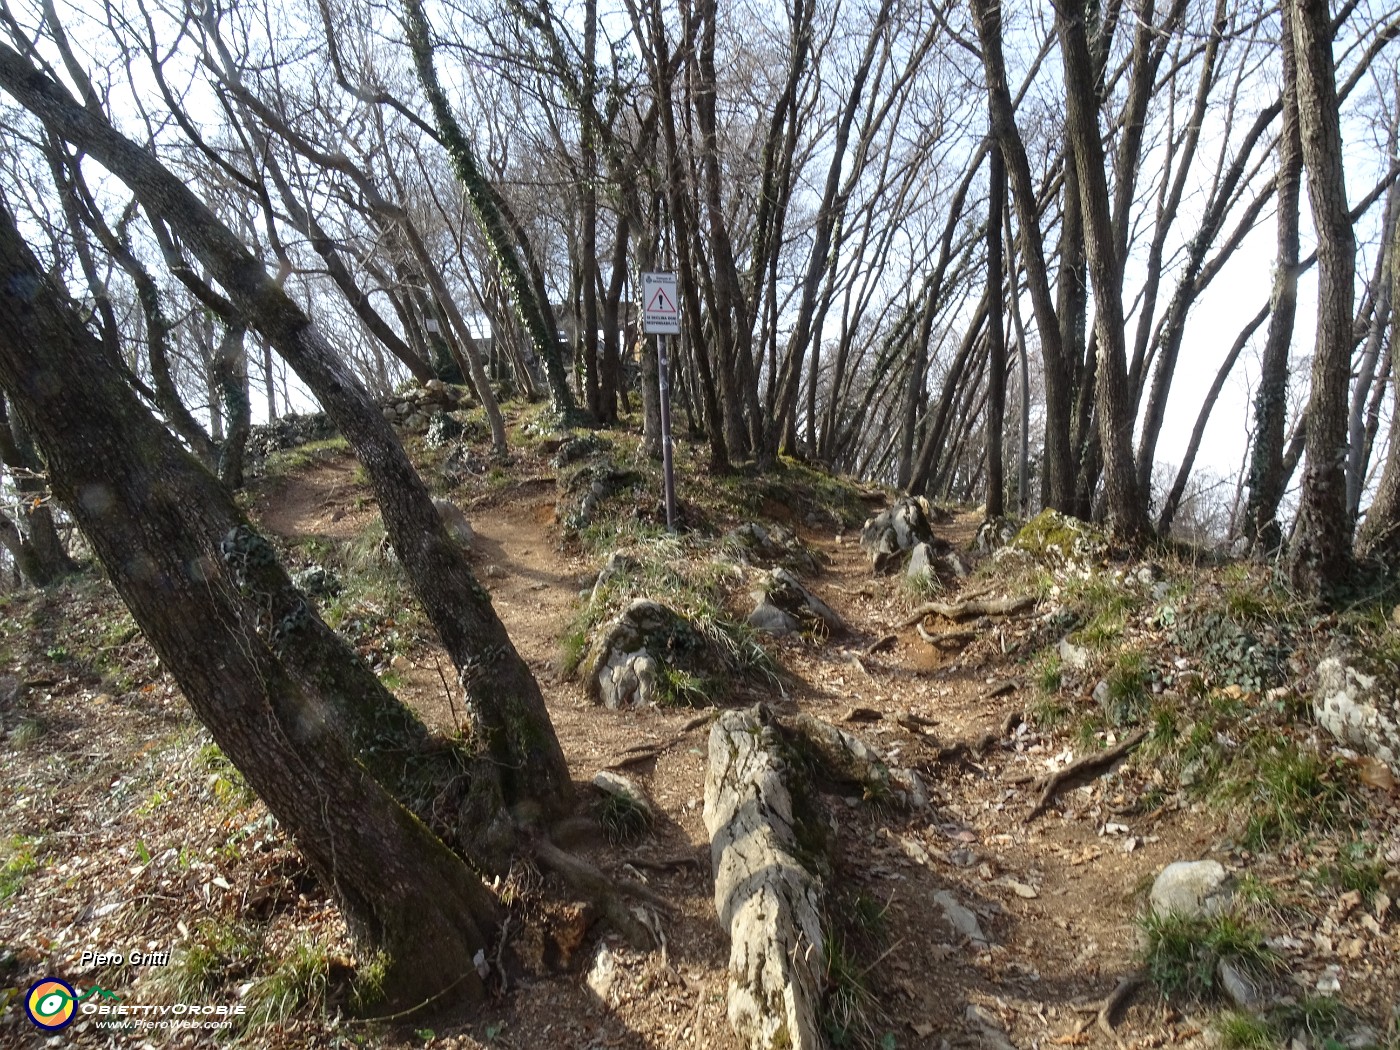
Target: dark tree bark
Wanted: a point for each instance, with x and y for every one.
(157, 521)
(1059, 462)
(1266, 478)
(1126, 509)
(507, 716)
(996, 342)
(1379, 536)
(1319, 557)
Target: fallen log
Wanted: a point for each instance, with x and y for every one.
(767, 900)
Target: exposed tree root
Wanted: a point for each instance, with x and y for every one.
(1127, 985)
(972, 607)
(948, 638)
(1082, 770)
(607, 891)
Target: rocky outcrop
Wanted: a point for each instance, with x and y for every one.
(458, 527)
(785, 606)
(283, 433)
(412, 409)
(1357, 710)
(1058, 541)
(936, 561)
(584, 489)
(892, 532)
(625, 661)
(771, 545)
(767, 900)
(1191, 889)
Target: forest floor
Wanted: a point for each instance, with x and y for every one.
(123, 829)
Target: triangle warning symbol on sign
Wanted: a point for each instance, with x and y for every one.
(661, 302)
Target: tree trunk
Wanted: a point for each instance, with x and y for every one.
(1058, 459)
(37, 549)
(156, 519)
(1127, 512)
(996, 342)
(231, 374)
(535, 313)
(1319, 558)
(1379, 536)
(1266, 478)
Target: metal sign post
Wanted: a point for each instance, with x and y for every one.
(661, 316)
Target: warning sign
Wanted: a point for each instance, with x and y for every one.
(661, 310)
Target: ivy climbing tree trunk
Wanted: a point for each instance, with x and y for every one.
(536, 316)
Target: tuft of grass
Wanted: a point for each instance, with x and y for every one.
(1051, 676)
(1105, 605)
(624, 819)
(1239, 1031)
(1290, 792)
(293, 460)
(1048, 712)
(1255, 895)
(1181, 954)
(679, 688)
(1318, 1019)
(924, 587)
(851, 1013)
(367, 988)
(28, 733)
(1165, 732)
(299, 985)
(1129, 692)
(19, 863)
(871, 917)
(573, 647)
(1357, 870)
(218, 953)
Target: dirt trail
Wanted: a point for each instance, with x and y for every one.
(1054, 897)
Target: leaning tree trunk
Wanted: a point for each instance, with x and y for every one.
(1319, 558)
(506, 713)
(156, 520)
(231, 374)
